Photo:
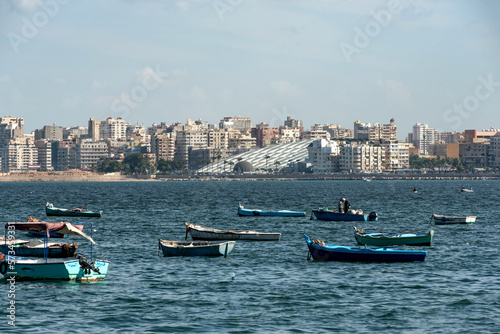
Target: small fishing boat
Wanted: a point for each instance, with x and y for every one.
(195, 248)
(199, 232)
(367, 179)
(25, 268)
(414, 238)
(467, 190)
(54, 229)
(279, 213)
(36, 248)
(353, 215)
(449, 220)
(320, 251)
(75, 212)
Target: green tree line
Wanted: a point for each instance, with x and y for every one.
(417, 162)
(139, 164)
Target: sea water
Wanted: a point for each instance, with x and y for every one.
(263, 286)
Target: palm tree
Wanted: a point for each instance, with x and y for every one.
(267, 158)
(230, 164)
(225, 162)
(276, 163)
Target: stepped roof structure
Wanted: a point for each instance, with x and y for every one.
(284, 154)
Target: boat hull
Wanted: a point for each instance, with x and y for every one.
(204, 233)
(65, 212)
(450, 220)
(269, 213)
(40, 269)
(199, 248)
(337, 216)
(360, 254)
(394, 239)
(52, 251)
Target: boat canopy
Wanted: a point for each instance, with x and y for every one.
(61, 228)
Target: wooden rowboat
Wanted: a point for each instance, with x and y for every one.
(448, 220)
(199, 232)
(326, 214)
(321, 251)
(278, 213)
(392, 238)
(195, 248)
(50, 210)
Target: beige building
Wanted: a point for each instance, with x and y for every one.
(361, 157)
(186, 140)
(88, 153)
(44, 148)
(396, 155)
(383, 132)
(114, 129)
(323, 156)
(18, 155)
(163, 146)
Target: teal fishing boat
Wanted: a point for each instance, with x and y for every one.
(25, 268)
(81, 211)
(414, 238)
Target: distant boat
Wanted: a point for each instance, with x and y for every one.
(325, 214)
(280, 213)
(415, 190)
(465, 190)
(199, 232)
(392, 238)
(367, 179)
(75, 212)
(321, 251)
(195, 248)
(38, 248)
(449, 220)
(78, 268)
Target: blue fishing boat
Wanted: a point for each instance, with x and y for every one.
(354, 215)
(278, 213)
(414, 238)
(195, 248)
(320, 251)
(24, 268)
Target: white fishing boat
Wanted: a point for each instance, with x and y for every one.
(199, 232)
(448, 220)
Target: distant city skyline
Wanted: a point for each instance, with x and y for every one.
(321, 62)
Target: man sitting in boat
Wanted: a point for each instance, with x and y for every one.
(347, 205)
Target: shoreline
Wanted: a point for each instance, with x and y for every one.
(95, 177)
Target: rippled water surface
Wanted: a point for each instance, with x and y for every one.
(275, 288)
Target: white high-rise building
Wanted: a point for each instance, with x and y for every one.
(422, 136)
(114, 129)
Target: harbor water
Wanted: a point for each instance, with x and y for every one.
(263, 287)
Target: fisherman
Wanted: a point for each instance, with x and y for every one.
(341, 205)
(347, 205)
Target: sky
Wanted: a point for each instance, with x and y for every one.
(323, 61)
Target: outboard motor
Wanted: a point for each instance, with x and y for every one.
(373, 216)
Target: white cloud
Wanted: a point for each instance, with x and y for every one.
(395, 90)
(285, 88)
